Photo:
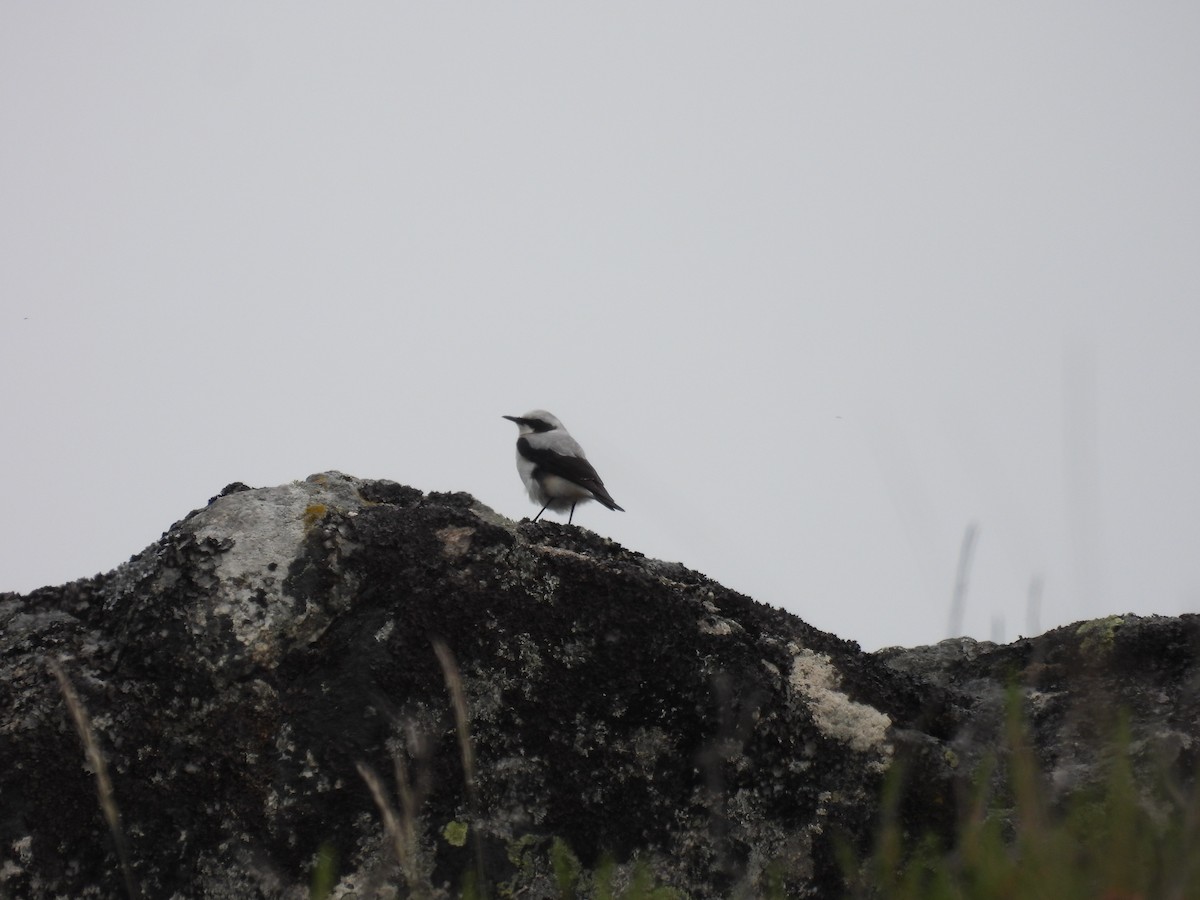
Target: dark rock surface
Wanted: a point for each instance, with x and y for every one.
(239, 672)
(1077, 683)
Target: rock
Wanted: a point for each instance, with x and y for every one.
(269, 671)
(1077, 682)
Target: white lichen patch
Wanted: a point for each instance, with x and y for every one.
(817, 682)
(713, 623)
(23, 849)
(262, 532)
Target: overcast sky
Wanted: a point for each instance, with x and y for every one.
(816, 285)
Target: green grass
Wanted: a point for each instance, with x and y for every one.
(1102, 843)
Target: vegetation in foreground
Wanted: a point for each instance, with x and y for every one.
(1119, 840)
(1104, 843)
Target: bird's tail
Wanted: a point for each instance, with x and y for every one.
(603, 498)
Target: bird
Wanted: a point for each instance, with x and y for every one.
(554, 467)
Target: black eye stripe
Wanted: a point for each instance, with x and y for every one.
(538, 425)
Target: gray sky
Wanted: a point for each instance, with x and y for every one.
(816, 285)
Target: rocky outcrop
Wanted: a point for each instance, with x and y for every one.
(430, 695)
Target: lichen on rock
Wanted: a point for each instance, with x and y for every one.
(626, 716)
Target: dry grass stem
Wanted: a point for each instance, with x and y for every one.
(95, 758)
(400, 829)
(461, 714)
(462, 721)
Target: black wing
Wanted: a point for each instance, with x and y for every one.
(573, 468)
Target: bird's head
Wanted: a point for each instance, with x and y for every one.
(535, 422)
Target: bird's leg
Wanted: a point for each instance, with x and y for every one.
(572, 515)
(540, 511)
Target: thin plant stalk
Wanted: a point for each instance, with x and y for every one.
(95, 758)
(462, 721)
(400, 830)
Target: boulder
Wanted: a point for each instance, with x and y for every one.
(351, 687)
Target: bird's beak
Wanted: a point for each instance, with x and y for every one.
(516, 419)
